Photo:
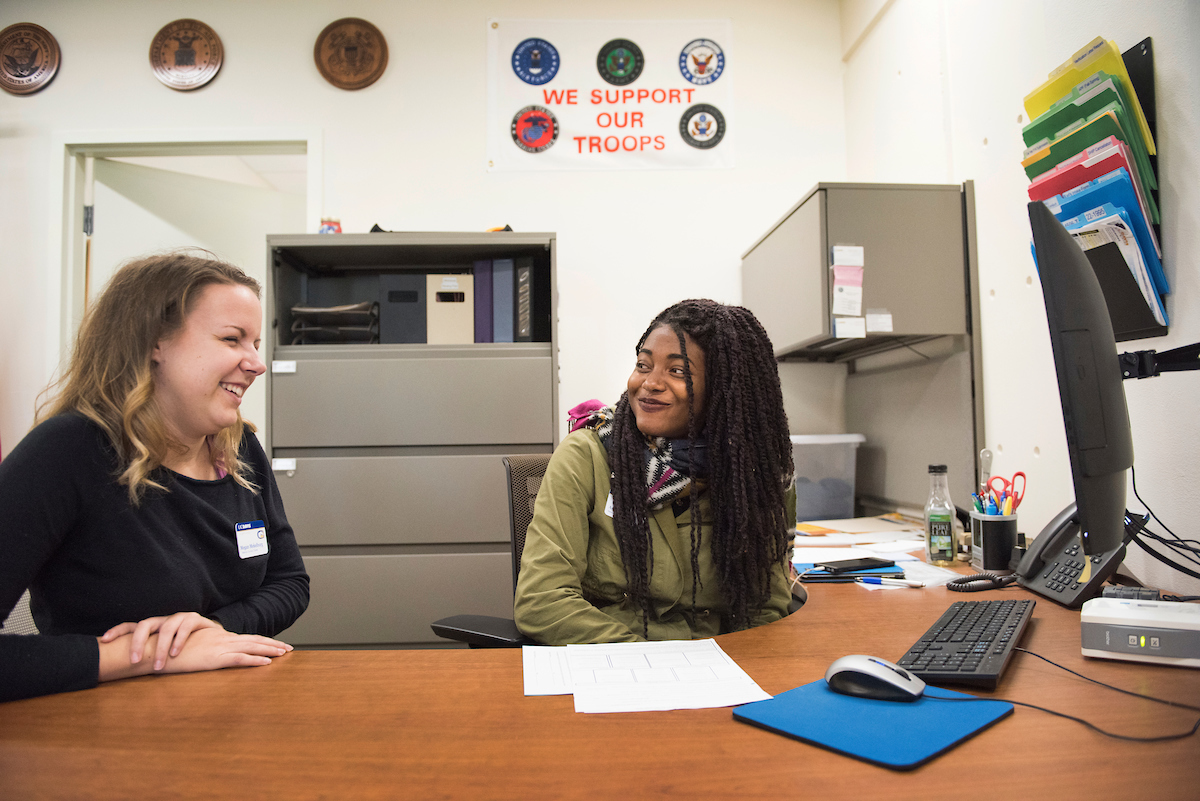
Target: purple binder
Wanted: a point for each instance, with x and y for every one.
(483, 301)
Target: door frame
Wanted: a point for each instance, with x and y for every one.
(69, 149)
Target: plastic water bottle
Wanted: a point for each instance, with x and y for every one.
(939, 518)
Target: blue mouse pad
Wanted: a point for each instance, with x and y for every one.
(900, 735)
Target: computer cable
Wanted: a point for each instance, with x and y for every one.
(1092, 726)
(1188, 549)
(1135, 527)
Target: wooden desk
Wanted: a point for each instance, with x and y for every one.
(454, 724)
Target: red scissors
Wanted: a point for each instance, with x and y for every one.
(1009, 488)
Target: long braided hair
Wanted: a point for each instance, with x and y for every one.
(749, 456)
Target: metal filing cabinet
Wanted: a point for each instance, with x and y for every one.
(388, 456)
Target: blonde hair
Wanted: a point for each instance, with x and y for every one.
(110, 378)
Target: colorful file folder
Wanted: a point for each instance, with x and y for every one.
(1099, 126)
(1106, 224)
(1095, 162)
(1115, 188)
(1098, 56)
(1100, 92)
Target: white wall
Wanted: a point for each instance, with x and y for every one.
(408, 153)
(932, 89)
(934, 93)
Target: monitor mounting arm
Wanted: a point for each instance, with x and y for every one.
(1149, 363)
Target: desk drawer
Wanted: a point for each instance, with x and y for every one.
(392, 599)
(396, 500)
(413, 398)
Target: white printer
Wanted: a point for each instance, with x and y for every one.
(1164, 632)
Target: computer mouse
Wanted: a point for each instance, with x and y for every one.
(872, 677)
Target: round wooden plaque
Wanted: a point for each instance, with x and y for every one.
(351, 53)
(29, 58)
(186, 54)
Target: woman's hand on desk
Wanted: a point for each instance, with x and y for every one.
(208, 648)
(173, 632)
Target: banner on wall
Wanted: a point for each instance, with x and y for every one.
(609, 95)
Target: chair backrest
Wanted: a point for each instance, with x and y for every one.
(20, 620)
(524, 480)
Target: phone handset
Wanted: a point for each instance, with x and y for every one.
(1056, 566)
(1051, 536)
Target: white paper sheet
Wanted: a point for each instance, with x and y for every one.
(546, 670)
(932, 575)
(839, 539)
(887, 550)
(637, 677)
(649, 676)
(863, 525)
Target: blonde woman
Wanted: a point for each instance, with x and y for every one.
(141, 512)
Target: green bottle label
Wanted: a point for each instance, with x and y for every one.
(941, 537)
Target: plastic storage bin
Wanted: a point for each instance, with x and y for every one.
(825, 475)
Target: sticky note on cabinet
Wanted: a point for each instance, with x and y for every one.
(847, 290)
(849, 327)
(879, 320)
(849, 255)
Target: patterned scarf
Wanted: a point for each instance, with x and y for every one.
(671, 464)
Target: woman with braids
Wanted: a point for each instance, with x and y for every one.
(141, 512)
(667, 516)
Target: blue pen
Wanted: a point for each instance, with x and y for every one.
(992, 509)
(889, 582)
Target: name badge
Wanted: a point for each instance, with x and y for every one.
(251, 539)
(608, 506)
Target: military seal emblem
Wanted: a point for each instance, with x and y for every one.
(702, 61)
(534, 129)
(186, 54)
(620, 62)
(702, 126)
(535, 61)
(351, 53)
(29, 58)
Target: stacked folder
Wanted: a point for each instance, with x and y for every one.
(1088, 157)
(355, 322)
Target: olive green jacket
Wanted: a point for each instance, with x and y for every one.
(572, 586)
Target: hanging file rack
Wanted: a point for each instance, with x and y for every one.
(1128, 302)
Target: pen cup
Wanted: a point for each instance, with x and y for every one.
(992, 539)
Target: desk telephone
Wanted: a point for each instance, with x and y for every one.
(1057, 567)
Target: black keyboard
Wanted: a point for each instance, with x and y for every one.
(970, 644)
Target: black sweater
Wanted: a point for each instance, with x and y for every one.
(92, 560)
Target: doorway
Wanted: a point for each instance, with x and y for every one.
(221, 195)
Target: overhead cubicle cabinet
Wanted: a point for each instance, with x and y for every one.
(387, 448)
(913, 241)
(914, 382)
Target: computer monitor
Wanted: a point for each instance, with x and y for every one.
(1089, 381)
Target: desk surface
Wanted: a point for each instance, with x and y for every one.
(454, 723)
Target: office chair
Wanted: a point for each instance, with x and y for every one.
(524, 475)
(20, 620)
